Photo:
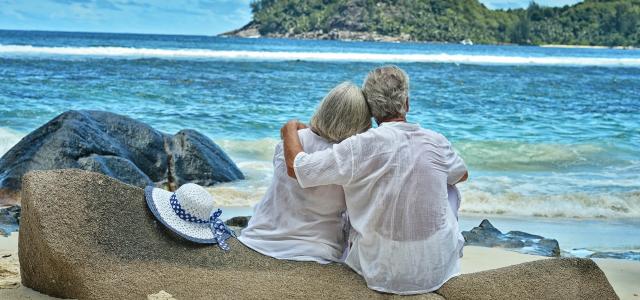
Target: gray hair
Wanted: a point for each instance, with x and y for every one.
(342, 113)
(387, 90)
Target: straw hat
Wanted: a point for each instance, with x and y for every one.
(190, 212)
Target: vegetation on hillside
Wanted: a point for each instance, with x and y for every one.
(592, 22)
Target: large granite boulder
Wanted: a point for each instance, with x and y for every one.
(87, 236)
(117, 146)
(487, 235)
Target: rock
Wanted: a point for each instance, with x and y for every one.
(9, 219)
(557, 278)
(241, 222)
(630, 255)
(88, 236)
(161, 295)
(199, 160)
(117, 146)
(487, 235)
(251, 30)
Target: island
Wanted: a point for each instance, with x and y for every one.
(607, 23)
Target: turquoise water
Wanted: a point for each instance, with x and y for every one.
(546, 132)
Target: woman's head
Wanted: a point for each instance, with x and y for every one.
(342, 113)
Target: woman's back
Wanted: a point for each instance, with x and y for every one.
(295, 223)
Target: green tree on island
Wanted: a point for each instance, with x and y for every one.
(592, 22)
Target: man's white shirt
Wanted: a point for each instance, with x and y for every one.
(405, 236)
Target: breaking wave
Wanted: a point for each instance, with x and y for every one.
(126, 52)
(508, 178)
(558, 205)
(8, 139)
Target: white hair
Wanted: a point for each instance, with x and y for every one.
(387, 91)
(342, 113)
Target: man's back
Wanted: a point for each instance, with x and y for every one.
(405, 237)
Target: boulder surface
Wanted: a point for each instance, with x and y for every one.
(88, 236)
(117, 146)
(560, 278)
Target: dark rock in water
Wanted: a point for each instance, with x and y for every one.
(241, 221)
(199, 160)
(117, 146)
(548, 247)
(9, 219)
(487, 235)
(116, 167)
(630, 255)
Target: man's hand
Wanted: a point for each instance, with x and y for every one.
(464, 177)
(291, 144)
(292, 124)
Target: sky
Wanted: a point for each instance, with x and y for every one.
(196, 17)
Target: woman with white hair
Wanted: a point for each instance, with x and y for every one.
(309, 224)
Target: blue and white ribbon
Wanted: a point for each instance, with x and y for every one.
(221, 233)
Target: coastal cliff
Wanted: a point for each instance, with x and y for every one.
(588, 23)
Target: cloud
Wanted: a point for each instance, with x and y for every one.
(72, 1)
(100, 4)
(144, 16)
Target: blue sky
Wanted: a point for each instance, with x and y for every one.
(202, 17)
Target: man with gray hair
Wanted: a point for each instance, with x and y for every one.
(405, 236)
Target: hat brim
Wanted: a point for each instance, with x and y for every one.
(158, 202)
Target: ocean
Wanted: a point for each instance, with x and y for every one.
(549, 134)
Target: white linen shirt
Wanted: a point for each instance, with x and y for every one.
(295, 223)
(405, 236)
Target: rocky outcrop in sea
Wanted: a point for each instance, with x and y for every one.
(488, 236)
(251, 30)
(9, 219)
(117, 146)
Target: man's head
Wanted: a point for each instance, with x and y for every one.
(387, 92)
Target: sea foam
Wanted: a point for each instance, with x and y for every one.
(207, 54)
(550, 194)
(8, 139)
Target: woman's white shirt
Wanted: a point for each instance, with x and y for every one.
(295, 223)
(405, 236)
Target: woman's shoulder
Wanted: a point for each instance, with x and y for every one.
(312, 142)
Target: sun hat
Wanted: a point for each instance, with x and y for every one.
(189, 212)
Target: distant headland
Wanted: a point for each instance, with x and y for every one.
(610, 23)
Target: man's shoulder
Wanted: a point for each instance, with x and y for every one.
(436, 136)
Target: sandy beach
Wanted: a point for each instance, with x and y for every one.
(622, 274)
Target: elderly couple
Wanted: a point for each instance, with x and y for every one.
(382, 200)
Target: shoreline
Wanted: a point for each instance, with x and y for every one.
(351, 36)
